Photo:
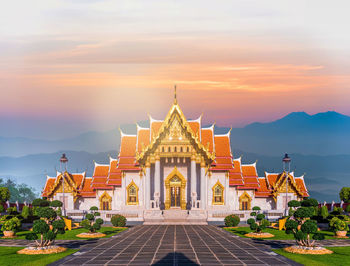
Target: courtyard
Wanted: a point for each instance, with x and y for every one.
(175, 245)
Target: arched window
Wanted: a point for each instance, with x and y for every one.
(175, 149)
(244, 202)
(132, 191)
(105, 202)
(218, 194)
(163, 149)
(169, 149)
(181, 149)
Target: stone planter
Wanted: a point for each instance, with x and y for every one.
(340, 233)
(9, 233)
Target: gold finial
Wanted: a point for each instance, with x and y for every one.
(175, 100)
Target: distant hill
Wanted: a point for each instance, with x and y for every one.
(325, 175)
(322, 134)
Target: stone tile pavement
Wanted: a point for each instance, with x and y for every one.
(175, 245)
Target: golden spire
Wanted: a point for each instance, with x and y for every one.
(175, 100)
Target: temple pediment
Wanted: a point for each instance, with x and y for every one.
(175, 130)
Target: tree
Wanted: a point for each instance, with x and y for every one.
(258, 223)
(344, 194)
(18, 192)
(4, 194)
(91, 223)
(301, 226)
(47, 236)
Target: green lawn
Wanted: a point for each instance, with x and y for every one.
(279, 235)
(341, 256)
(71, 235)
(9, 257)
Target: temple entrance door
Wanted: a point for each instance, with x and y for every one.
(175, 196)
(175, 190)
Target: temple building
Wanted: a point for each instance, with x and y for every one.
(175, 168)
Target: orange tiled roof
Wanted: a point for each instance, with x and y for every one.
(142, 138)
(301, 184)
(127, 145)
(77, 178)
(250, 176)
(263, 190)
(155, 126)
(99, 178)
(50, 181)
(207, 135)
(195, 126)
(87, 190)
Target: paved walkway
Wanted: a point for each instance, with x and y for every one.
(175, 245)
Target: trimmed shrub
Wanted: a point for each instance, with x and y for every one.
(2, 209)
(56, 203)
(310, 202)
(301, 226)
(347, 209)
(294, 204)
(324, 212)
(90, 223)
(13, 224)
(120, 221)
(232, 220)
(338, 225)
(40, 203)
(259, 223)
(42, 226)
(26, 212)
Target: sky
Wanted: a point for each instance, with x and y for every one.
(71, 66)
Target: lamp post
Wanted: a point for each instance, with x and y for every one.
(286, 168)
(63, 161)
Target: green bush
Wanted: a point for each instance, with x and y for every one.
(47, 214)
(90, 223)
(310, 202)
(259, 223)
(324, 212)
(42, 226)
(347, 209)
(120, 221)
(344, 194)
(303, 212)
(230, 220)
(56, 203)
(250, 221)
(2, 209)
(93, 208)
(13, 224)
(294, 204)
(26, 212)
(301, 226)
(337, 211)
(12, 210)
(338, 225)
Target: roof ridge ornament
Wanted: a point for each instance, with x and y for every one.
(175, 99)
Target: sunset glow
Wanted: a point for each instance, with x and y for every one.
(111, 62)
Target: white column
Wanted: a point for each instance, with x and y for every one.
(203, 188)
(157, 177)
(226, 190)
(124, 194)
(148, 187)
(193, 177)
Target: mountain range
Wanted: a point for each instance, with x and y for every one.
(322, 134)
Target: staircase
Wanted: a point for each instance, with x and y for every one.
(175, 216)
